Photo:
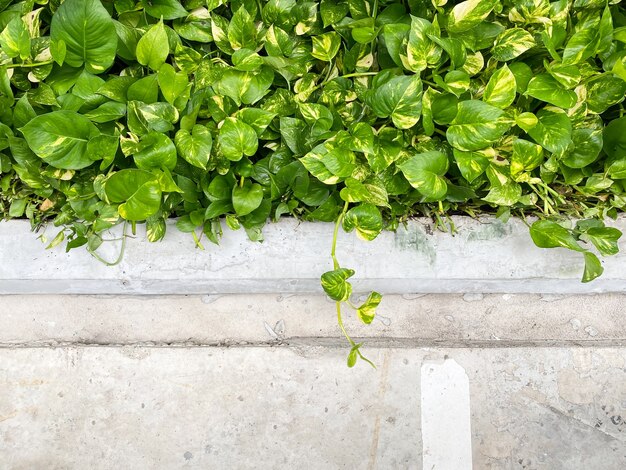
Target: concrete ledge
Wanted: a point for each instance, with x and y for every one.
(409, 321)
(485, 256)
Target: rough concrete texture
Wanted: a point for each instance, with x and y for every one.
(469, 320)
(285, 408)
(484, 256)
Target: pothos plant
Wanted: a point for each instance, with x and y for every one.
(362, 112)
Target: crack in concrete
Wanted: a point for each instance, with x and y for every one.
(381, 400)
(324, 342)
(579, 421)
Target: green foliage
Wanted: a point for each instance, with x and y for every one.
(243, 111)
(550, 234)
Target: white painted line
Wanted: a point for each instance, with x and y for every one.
(446, 429)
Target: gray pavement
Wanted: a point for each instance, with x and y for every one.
(283, 408)
(260, 382)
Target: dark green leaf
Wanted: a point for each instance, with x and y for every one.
(247, 198)
(87, 30)
(398, 98)
(60, 138)
(615, 138)
(549, 234)
(137, 190)
(587, 144)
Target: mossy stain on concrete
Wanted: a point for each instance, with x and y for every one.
(492, 230)
(414, 238)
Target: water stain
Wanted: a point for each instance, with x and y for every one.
(494, 230)
(413, 238)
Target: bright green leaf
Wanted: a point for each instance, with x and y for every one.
(545, 88)
(366, 219)
(335, 284)
(15, 39)
(501, 88)
(553, 130)
(166, 9)
(367, 311)
(195, 146)
(153, 47)
(549, 234)
(326, 46)
(512, 43)
(593, 267)
(468, 14)
(236, 139)
(425, 171)
(476, 126)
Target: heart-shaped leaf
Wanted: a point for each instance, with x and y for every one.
(87, 31)
(138, 191)
(195, 146)
(60, 138)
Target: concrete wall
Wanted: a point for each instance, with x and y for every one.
(484, 256)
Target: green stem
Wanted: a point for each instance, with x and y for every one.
(337, 266)
(328, 73)
(121, 255)
(335, 233)
(547, 202)
(358, 351)
(558, 197)
(36, 64)
(358, 74)
(343, 328)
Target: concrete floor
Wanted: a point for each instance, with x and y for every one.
(260, 382)
(283, 407)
